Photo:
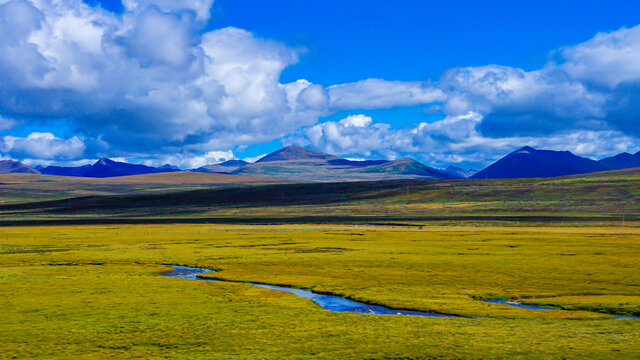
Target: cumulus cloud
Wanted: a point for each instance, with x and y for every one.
(591, 86)
(200, 8)
(607, 60)
(40, 145)
(454, 139)
(190, 161)
(517, 102)
(378, 93)
(148, 81)
(354, 134)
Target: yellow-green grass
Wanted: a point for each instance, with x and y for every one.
(94, 292)
(611, 304)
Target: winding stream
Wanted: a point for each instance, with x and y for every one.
(340, 304)
(517, 303)
(328, 302)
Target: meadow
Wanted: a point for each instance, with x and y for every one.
(602, 197)
(95, 291)
(18, 188)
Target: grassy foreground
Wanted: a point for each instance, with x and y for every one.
(73, 292)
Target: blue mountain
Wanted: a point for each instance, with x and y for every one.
(104, 168)
(528, 162)
(622, 161)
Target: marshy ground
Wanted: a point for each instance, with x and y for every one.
(94, 291)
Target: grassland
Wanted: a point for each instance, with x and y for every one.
(92, 289)
(94, 292)
(590, 198)
(15, 188)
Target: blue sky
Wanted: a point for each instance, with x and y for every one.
(461, 82)
(416, 40)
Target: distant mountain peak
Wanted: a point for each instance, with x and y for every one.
(169, 167)
(524, 150)
(12, 166)
(104, 162)
(294, 152)
(528, 162)
(621, 161)
(458, 171)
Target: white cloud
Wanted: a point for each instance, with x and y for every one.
(148, 81)
(253, 159)
(39, 145)
(608, 59)
(353, 135)
(356, 121)
(516, 102)
(594, 86)
(378, 93)
(6, 123)
(199, 7)
(452, 140)
(190, 161)
(49, 162)
(158, 38)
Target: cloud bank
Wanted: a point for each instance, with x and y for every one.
(586, 100)
(455, 139)
(151, 83)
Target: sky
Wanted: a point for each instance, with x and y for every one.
(195, 82)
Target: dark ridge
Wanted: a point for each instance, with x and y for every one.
(106, 168)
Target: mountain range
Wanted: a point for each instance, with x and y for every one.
(300, 164)
(105, 168)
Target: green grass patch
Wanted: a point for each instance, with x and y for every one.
(109, 300)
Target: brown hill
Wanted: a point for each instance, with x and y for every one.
(13, 167)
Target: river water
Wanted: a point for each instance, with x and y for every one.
(340, 304)
(328, 302)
